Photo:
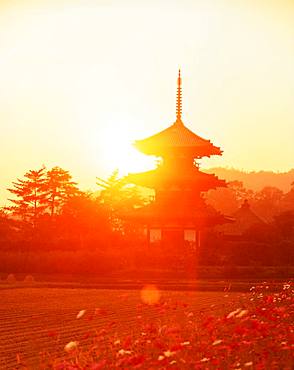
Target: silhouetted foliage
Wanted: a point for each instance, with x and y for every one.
(119, 198)
(31, 197)
(7, 226)
(284, 223)
(60, 188)
(85, 220)
(93, 233)
(256, 180)
(267, 202)
(228, 200)
(288, 200)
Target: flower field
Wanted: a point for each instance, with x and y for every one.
(94, 329)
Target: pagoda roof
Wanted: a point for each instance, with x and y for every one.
(163, 177)
(177, 137)
(200, 215)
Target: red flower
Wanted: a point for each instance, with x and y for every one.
(136, 360)
(99, 365)
(127, 342)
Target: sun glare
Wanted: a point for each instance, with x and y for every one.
(116, 151)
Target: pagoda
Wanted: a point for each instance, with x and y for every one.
(178, 212)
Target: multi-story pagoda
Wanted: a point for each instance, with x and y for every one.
(178, 211)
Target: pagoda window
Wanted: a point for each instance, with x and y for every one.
(192, 238)
(155, 235)
(190, 235)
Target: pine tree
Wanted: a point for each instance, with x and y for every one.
(60, 188)
(31, 197)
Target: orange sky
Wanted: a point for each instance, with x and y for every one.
(81, 79)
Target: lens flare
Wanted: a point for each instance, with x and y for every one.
(150, 294)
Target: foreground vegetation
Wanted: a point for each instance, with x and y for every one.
(256, 334)
(162, 330)
(34, 320)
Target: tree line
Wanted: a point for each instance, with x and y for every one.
(48, 205)
(48, 213)
(267, 203)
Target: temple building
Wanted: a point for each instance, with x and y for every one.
(244, 218)
(178, 214)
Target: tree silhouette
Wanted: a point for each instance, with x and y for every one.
(119, 198)
(288, 200)
(267, 202)
(83, 218)
(284, 222)
(227, 200)
(31, 196)
(6, 226)
(60, 188)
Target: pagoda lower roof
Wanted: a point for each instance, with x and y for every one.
(159, 213)
(177, 137)
(166, 178)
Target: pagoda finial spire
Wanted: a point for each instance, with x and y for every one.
(179, 99)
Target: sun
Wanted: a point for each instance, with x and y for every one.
(116, 151)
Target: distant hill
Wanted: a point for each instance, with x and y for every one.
(256, 180)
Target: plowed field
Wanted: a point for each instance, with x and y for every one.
(36, 322)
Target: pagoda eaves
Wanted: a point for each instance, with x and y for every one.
(177, 138)
(199, 216)
(163, 178)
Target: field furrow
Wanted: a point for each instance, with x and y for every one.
(35, 320)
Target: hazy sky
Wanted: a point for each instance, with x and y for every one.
(80, 80)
